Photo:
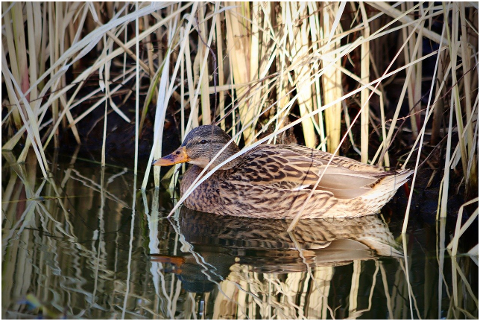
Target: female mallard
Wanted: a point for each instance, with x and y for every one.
(274, 181)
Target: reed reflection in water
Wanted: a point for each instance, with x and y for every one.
(88, 244)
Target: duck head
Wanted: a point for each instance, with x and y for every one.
(200, 146)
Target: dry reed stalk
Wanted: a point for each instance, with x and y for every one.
(255, 59)
(221, 71)
(332, 78)
(468, 78)
(282, 87)
(240, 55)
(364, 95)
(299, 44)
(202, 55)
(7, 16)
(412, 95)
(453, 50)
(439, 103)
(192, 119)
(317, 97)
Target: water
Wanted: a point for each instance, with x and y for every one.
(89, 244)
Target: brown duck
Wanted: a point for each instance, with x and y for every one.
(274, 181)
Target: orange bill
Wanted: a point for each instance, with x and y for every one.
(178, 156)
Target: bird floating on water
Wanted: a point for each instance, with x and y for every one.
(274, 181)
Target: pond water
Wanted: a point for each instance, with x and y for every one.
(88, 243)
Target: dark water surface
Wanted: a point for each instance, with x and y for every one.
(89, 244)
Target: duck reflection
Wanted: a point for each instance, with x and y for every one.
(218, 242)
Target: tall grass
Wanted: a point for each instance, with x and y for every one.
(257, 69)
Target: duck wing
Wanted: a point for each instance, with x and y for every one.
(266, 201)
(299, 168)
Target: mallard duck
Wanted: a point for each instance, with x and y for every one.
(274, 181)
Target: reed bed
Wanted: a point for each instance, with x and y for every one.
(387, 83)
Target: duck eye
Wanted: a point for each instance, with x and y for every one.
(203, 141)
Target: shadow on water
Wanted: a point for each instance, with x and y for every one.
(88, 243)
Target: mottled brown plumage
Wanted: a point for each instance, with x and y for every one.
(274, 181)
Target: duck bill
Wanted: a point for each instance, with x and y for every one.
(177, 157)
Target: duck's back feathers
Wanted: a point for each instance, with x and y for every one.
(299, 168)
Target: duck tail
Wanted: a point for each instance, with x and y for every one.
(400, 177)
(394, 179)
(386, 189)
